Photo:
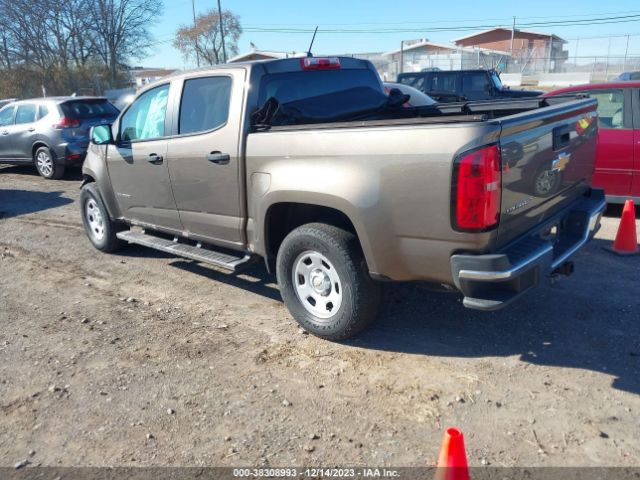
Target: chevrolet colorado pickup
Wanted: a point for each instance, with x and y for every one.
(308, 164)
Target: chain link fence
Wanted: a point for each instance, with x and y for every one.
(592, 58)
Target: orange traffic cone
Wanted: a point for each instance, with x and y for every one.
(452, 463)
(626, 242)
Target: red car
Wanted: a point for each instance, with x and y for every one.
(618, 155)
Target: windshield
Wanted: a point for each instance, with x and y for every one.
(496, 81)
(292, 86)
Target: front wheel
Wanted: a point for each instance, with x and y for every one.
(325, 283)
(98, 226)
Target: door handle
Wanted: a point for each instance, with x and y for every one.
(5, 132)
(219, 158)
(155, 159)
(31, 129)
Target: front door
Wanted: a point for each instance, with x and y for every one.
(137, 162)
(614, 158)
(6, 123)
(204, 158)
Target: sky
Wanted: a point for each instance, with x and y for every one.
(422, 16)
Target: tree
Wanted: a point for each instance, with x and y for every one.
(203, 39)
(66, 46)
(121, 29)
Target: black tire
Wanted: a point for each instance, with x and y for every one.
(360, 293)
(104, 238)
(46, 164)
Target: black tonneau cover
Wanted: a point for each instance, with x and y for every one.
(365, 103)
(359, 103)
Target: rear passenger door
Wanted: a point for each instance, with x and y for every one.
(204, 157)
(23, 134)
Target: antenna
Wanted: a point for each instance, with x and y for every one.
(309, 54)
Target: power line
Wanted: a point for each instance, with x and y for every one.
(433, 22)
(565, 23)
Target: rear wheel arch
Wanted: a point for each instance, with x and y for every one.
(36, 145)
(281, 218)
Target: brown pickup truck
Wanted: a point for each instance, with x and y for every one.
(308, 164)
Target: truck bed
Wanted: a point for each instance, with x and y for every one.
(393, 177)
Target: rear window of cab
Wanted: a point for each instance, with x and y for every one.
(291, 86)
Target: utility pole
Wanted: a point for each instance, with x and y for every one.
(606, 68)
(193, 7)
(626, 51)
(513, 34)
(224, 50)
(401, 56)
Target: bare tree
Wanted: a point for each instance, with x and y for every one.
(204, 38)
(66, 46)
(121, 29)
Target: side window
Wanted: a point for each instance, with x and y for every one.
(205, 104)
(475, 86)
(6, 116)
(43, 111)
(414, 81)
(610, 107)
(25, 114)
(144, 120)
(445, 82)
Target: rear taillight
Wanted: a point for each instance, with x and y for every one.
(318, 63)
(476, 189)
(66, 122)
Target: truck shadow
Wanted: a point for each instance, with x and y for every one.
(254, 279)
(71, 173)
(14, 202)
(587, 321)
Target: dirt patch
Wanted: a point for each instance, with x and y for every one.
(144, 359)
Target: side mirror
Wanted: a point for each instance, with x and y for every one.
(101, 135)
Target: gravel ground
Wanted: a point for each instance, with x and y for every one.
(141, 358)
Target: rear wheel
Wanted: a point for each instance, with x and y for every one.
(98, 226)
(46, 164)
(325, 283)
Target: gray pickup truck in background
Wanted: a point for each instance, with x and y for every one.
(308, 164)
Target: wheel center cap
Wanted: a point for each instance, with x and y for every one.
(320, 282)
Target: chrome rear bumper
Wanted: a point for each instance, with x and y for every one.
(492, 281)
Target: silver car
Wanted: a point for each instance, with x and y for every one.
(418, 98)
(52, 133)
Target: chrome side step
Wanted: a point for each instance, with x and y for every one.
(197, 253)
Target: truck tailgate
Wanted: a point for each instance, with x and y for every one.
(548, 158)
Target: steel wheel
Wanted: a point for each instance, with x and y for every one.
(44, 163)
(94, 219)
(317, 284)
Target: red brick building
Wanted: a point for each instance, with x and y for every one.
(531, 51)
